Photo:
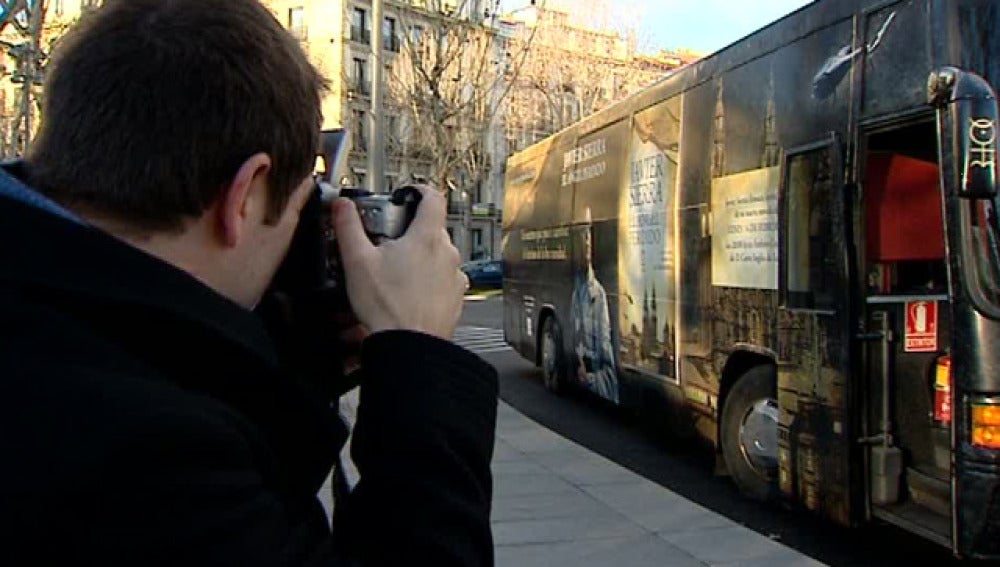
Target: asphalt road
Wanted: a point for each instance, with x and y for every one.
(687, 470)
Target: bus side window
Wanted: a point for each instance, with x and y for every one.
(810, 251)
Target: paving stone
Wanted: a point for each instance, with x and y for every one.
(624, 552)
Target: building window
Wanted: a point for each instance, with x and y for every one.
(416, 34)
(297, 22)
(390, 41)
(59, 7)
(392, 137)
(359, 75)
(359, 26)
(360, 140)
(477, 192)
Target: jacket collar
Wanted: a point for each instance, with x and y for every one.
(40, 249)
(122, 291)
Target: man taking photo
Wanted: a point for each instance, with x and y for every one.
(146, 417)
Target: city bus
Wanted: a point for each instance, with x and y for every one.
(789, 249)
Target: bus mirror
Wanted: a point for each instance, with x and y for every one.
(972, 105)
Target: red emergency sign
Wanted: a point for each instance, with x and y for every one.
(921, 326)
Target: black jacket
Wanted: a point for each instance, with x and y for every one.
(145, 420)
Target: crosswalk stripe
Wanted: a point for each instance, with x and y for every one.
(481, 336)
(481, 340)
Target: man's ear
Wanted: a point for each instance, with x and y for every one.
(244, 198)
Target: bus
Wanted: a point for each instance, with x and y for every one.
(789, 249)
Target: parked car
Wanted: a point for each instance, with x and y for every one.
(484, 274)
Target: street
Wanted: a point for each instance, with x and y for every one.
(684, 470)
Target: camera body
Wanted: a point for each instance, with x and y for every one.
(384, 217)
(306, 307)
(312, 265)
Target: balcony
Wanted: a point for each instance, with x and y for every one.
(484, 209)
(361, 35)
(477, 210)
(357, 88)
(390, 43)
(359, 143)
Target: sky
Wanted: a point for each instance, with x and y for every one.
(701, 25)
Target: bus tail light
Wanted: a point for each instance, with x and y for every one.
(942, 392)
(986, 424)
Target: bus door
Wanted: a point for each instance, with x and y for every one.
(813, 449)
(967, 128)
(908, 327)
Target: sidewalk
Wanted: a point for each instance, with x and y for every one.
(556, 503)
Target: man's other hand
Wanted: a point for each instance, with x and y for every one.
(410, 283)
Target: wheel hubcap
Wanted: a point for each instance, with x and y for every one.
(759, 437)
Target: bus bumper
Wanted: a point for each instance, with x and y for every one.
(979, 513)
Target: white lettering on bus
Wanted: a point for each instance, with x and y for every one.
(982, 134)
(585, 173)
(586, 152)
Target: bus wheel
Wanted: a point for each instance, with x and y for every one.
(552, 356)
(750, 433)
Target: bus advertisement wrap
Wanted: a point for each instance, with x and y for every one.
(647, 302)
(745, 229)
(592, 167)
(776, 250)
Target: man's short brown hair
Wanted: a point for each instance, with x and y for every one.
(151, 106)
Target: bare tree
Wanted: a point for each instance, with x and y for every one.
(454, 68)
(29, 31)
(579, 63)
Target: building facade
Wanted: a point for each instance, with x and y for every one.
(337, 35)
(536, 72)
(572, 70)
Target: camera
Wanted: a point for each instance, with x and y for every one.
(384, 217)
(312, 265)
(306, 307)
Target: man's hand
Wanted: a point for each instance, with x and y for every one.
(410, 283)
(581, 370)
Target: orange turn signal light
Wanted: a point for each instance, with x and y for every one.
(986, 436)
(986, 425)
(985, 415)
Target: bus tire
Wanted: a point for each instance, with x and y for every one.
(553, 358)
(749, 433)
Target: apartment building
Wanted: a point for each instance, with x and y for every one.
(573, 70)
(337, 36)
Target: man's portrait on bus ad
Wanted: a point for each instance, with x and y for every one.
(593, 365)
